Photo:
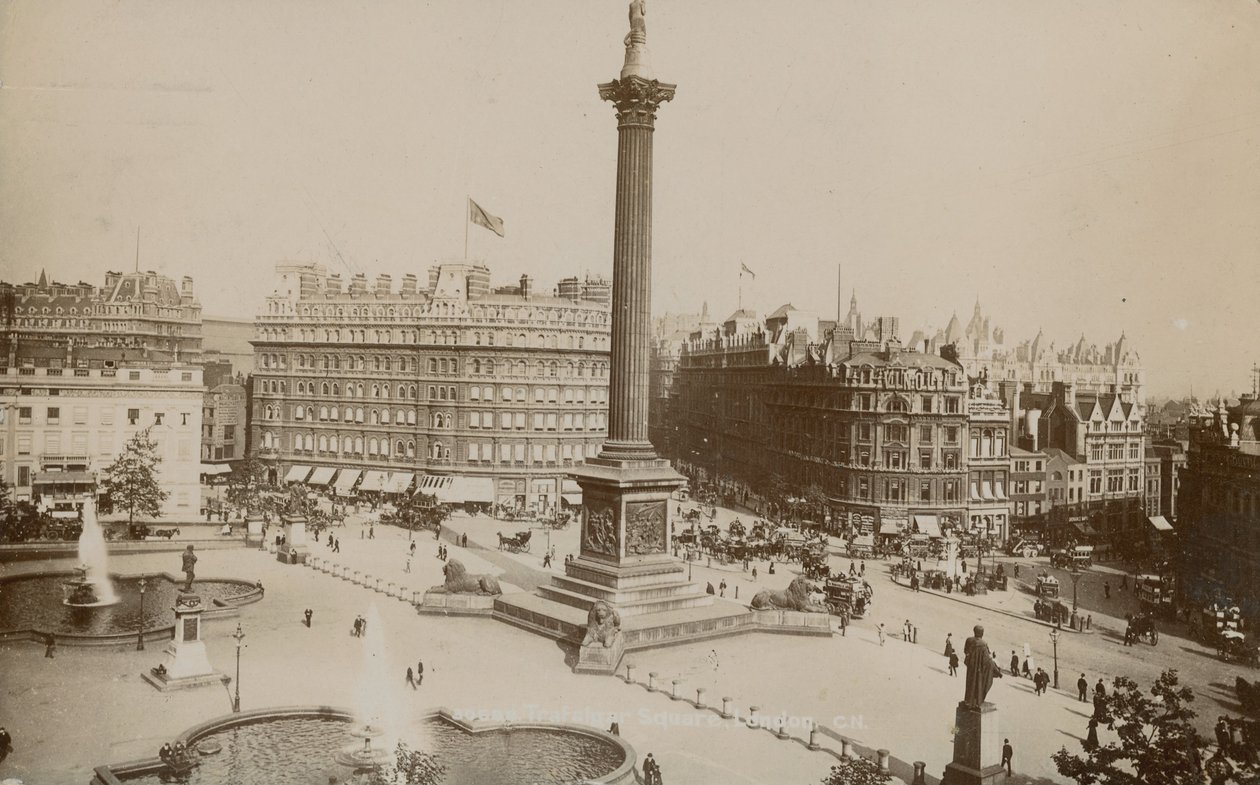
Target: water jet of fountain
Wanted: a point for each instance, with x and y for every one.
(94, 587)
(378, 716)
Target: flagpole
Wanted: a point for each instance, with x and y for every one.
(740, 300)
(467, 200)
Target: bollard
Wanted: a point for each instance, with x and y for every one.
(699, 697)
(752, 715)
(883, 760)
(673, 692)
(783, 734)
(629, 673)
(726, 708)
(737, 591)
(652, 681)
(919, 767)
(915, 636)
(378, 583)
(846, 748)
(415, 599)
(813, 737)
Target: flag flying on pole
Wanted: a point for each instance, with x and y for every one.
(483, 218)
(743, 268)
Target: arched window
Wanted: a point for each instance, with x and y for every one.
(334, 414)
(411, 417)
(323, 388)
(437, 449)
(411, 449)
(358, 414)
(323, 413)
(385, 417)
(373, 446)
(336, 389)
(323, 443)
(399, 449)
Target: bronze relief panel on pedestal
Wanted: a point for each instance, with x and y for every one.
(600, 532)
(646, 523)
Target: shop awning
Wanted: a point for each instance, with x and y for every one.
(374, 481)
(399, 482)
(928, 524)
(865, 540)
(430, 484)
(1085, 528)
(574, 499)
(345, 480)
(571, 486)
(297, 473)
(986, 491)
(1160, 523)
(215, 468)
(64, 478)
(999, 490)
(891, 526)
(479, 490)
(322, 475)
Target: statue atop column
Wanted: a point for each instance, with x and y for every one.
(636, 43)
(189, 566)
(981, 667)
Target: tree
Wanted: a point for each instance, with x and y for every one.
(131, 480)
(246, 485)
(856, 771)
(817, 499)
(411, 767)
(1157, 745)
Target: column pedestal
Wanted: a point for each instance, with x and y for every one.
(294, 550)
(253, 530)
(977, 747)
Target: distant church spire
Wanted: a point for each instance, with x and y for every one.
(43, 278)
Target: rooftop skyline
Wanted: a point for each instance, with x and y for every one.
(1081, 169)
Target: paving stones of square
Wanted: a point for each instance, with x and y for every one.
(89, 706)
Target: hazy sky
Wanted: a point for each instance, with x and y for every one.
(1081, 166)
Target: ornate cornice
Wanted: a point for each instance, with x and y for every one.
(636, 99)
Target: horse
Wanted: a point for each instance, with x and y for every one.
(167, 533)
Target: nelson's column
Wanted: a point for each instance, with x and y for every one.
(625, 591)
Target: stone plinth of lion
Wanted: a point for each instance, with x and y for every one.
(603, 625)
(794, 598)
(458, 581)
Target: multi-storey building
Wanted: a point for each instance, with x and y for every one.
(1219, 506)
(669, 334)
(224, 430)
(1029, 486)
(883, 432)
(507, 389)
(64, 416)
(141, 312)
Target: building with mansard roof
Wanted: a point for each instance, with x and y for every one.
(141, 311)
(489, 395)
(885, 432)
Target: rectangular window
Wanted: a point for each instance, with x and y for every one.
(24, 446)
(185, 376)
(505, 453)
(550, 453)
(951, 434)
(80, 415)
(133, 416)
(24, 415)
(568, 395)
(519, 421)
(925, 490)
(474, 451)
(505, 419)
(540, 395)
(864, 432)
(538, 453)
(518, 452)
(506, 394)
(474, 419)
(1095, 481)
(927, 403)
(52, 442)
(54, 415)
(133, 376)
(925, 434)
(895, 433)
(951, 405)
(864, 488)
(24, 475)
(475, 392)
(551, 421)
(539, 421)
(925, 459)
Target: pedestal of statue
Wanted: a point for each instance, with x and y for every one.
(977, 747)
(185, 663)
(253, 529)
(294, 550)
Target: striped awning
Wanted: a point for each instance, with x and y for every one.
(574, 499)
(321, 476)
(345, 480)
(399, 482)
(297, 473)
(215, 468)
(928, 524)
(374, 481)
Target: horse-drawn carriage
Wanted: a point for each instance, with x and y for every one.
(814, 565)
(848, 597)
(1234, 647)
(1142, 627)
(515, 544)
(1047, 587)
(1052, 610)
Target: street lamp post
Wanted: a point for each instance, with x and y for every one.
(1054, 639)
(1076, 579)
(239, 635)
(140, 632)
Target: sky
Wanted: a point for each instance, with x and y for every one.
(1080, 167)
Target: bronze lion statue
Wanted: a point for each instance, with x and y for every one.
(603, 625)
(458, 581)
(794, 598)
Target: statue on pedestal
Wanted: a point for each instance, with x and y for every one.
(637, 36)
(981, 667)
(190, 563)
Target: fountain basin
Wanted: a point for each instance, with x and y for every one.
(295, 746)
(31, 607)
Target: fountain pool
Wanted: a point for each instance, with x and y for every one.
(296, 747)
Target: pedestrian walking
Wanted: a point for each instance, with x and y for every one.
(862, 569)
(852, 569)
(546, 561)
(709, 588)
(722, 588)
(880, 629)
(1027, 670)
(1091, 736)
(754, 573)
(949, 643)
(50, 648)
(419, 672)
(336, 546)
(408, 567)
(905, 631)
(1106, 590)
(1014, 665)
(413, 547)
(1082, 688)
(411, 678)
(1007, 754)
(308, 613)
(953, 663)
(371, 531)
(6, 743)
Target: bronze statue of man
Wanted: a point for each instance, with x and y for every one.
(981, 668)
(190, 562)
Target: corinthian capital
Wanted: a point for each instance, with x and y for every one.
(636, 99)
